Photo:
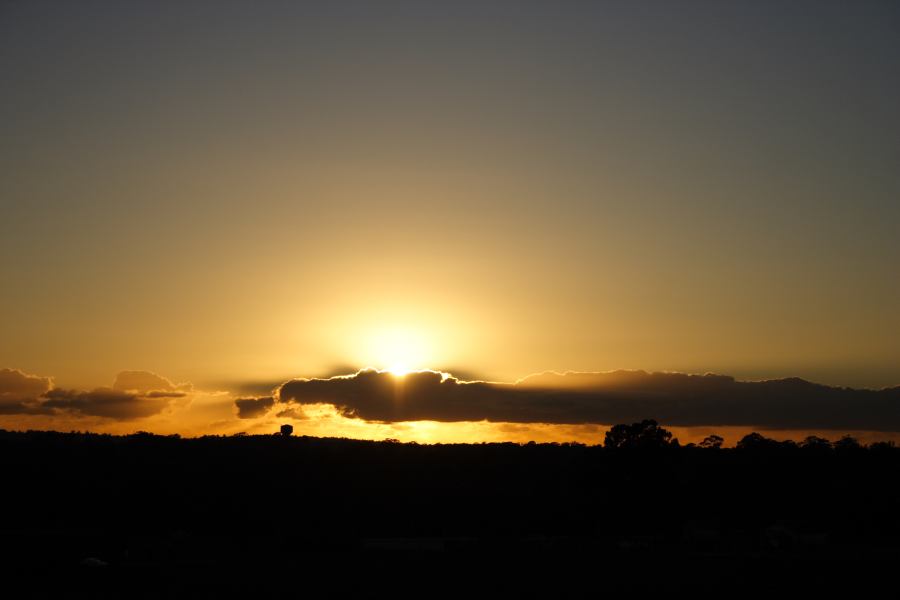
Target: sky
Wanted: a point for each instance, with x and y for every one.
(232, 195)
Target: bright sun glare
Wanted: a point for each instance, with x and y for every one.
(398, 370)
(398, 351)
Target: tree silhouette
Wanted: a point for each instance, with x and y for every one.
(758, 442)
(712, 442)
(848, 443)
(753, 440)
(645, 435)
(813, 442)
(287, 430)
(882, 447)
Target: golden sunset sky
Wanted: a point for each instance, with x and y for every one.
(231, 195)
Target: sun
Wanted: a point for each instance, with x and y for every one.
(398, 350)
(399, 370)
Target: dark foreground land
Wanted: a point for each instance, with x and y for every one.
(146, 516)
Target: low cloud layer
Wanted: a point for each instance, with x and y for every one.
(581, 398)
(134, 395)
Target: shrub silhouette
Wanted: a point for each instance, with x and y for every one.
(644, 435)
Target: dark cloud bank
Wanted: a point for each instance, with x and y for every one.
(577, 398)
(133, 395)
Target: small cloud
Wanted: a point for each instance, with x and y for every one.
(104, 402)
(16, 385)
(143, 382)
(250, 408)
(20, 392)
(134, 394)
(162, 394)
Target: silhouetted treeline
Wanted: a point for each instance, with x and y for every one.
(641, 511)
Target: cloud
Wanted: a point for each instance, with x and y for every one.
(134, 395)
(143, 382)
(16, 384)
(676, 399)
(249, 408)
(105, 402)
(20, 391)
(162, 394)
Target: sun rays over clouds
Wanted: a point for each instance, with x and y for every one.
(676, 399)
